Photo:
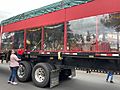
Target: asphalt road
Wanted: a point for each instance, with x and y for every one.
(83, 81)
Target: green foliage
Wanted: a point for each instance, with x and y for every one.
(112, 21)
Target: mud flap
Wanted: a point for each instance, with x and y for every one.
(73, 72)
(54, 78)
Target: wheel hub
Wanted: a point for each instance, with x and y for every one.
(40, 74)
(21, 71)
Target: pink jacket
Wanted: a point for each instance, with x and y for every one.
(14, 60)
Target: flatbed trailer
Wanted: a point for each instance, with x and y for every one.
(60, 37)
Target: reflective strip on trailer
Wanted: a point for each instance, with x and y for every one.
(74, 53)
(107, 54)
(115, 54)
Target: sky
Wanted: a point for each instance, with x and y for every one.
(9, 8)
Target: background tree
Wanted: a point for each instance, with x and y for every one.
(113, 21)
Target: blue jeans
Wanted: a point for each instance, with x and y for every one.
(13, 73)
(108, 76)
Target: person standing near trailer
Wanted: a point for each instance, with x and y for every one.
(110, 76)
(13, 67)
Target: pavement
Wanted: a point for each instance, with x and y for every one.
(82, 81)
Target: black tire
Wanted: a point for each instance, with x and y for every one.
(45, 69)
(64, 74)
(27, 70)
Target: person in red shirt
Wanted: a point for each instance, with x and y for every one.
(20, 53)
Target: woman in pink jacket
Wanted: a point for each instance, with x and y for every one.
(13, 67)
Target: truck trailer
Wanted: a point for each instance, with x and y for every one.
(55, 39)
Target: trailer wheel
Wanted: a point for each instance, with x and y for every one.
(24, 71)
(41, 74)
